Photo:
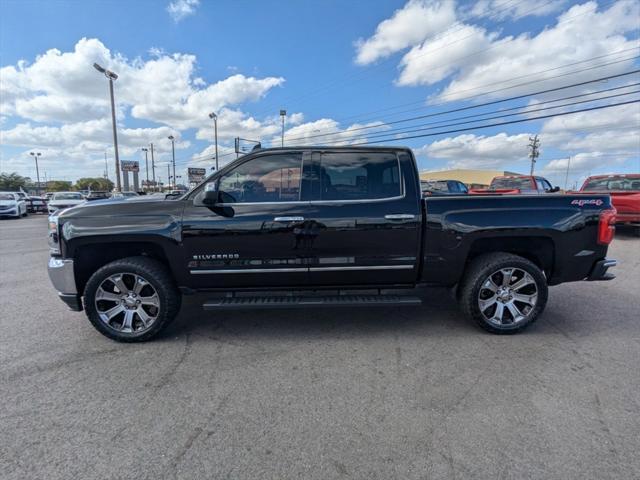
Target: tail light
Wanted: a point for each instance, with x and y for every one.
(607, 226)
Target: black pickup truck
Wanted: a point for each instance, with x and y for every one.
(309, 227)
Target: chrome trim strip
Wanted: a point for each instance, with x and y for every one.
(364, 267)
(312, 269)
(608, 263)
(251, 270)
(62, 275)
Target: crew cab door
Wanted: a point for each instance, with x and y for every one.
(252, 238)
(366, 218)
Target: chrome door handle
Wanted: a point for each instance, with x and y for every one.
(288, 219)
(400, 216)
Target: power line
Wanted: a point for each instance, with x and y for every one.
(469, 107)
(525, 111)
(510, 122)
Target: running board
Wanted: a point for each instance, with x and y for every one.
(236, 303)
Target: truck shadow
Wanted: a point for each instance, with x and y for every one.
(439, 315)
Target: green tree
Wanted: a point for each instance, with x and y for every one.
(97, 183)
(13, 181)
(58, 186)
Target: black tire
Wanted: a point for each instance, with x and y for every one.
(474, 287)
(156, 275)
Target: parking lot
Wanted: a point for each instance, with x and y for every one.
(365, 393)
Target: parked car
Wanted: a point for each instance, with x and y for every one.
(37, 204)
(515, 185)
(93, 195)
(62, 200)
(12, 205)
(272, 231)
(625, 195)
(124, 195)
(443, 187)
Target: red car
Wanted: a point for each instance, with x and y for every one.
(625, 195)
(515, 185)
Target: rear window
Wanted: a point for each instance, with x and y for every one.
(359, 176)
(613, 183)
(67, 196)
(511, 183)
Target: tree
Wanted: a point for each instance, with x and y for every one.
(13, 181)
(97, 183)
(58, 186)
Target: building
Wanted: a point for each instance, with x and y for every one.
(471, 178)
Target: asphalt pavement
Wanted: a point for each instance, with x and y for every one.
(376, 393)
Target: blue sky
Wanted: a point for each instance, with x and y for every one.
(333, 65)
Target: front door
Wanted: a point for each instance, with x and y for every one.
(366, 216)
(253, 238)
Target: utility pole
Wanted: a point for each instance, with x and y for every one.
(153, 167)
(36, 155)
(214, 117)
(173, 154)
(566, 178)
(112, 76)
(146, 162)
(283, 113)
(534, 145)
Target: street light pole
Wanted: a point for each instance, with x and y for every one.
(283, 113)
(173, 155)
(146, 162)
(153, 168)
(112, 76)
(169, 175)
(213, 116)
(36, 155)
(106, 167)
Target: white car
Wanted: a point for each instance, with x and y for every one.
(12, 205)
(62, 200)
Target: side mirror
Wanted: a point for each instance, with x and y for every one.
(211, 194)
(553, 190)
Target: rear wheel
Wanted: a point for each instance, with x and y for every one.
(503, 293)
(132, 299)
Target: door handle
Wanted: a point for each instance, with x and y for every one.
(400, 216)
(288, 219)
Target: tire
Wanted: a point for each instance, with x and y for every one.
(519, 297)
(146, 302)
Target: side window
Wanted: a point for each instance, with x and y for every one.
(359, 176)
(269, 178)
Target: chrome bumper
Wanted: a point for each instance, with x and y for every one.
(62, 276)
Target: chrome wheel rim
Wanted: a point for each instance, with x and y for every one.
(127, 303)
(507, 297)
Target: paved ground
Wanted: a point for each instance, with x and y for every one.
(369, 394)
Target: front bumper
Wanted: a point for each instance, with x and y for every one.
(599, 271)
(64, 281)
(9, 213)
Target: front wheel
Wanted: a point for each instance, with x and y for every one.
(132, 299)
(503, 293)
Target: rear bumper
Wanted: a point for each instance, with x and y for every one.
(627, 217)
(599, 271)
(63, 279)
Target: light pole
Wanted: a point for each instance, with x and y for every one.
(35, 155)
(112, 76)
(173, 155)
(106, 167)
(283, 113)
(153, 168)
(146, 162)
(214, 117)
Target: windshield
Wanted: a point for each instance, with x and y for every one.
(67, 196)
(434, 186)
(511, 183)
(613, 183)
(7, 196)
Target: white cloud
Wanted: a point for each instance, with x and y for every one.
(479, 151)
(327, 131)
(409, 25)
(501, 9)
(180, 9)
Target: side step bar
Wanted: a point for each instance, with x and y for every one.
(233, 303)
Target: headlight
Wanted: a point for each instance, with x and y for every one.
(53, 237)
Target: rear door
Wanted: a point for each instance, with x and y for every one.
(365, 218)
